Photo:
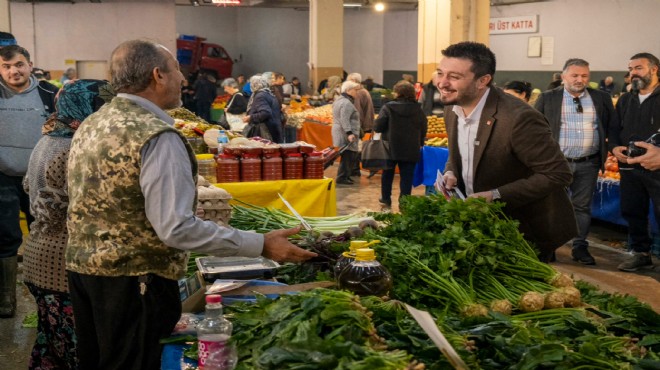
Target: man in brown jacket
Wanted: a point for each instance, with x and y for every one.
(500, 148)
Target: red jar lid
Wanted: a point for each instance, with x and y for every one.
(294, 155)
(251, 155)
(226, 156)
(315, 154)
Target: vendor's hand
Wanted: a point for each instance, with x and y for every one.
(278, 247)
(246, 119)
(351, 138)
(450, 180)
(618, 152)
(488, 195)
(650, 160)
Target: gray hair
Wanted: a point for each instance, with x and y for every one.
(230, 82)
(349, 85)
(355, 77)
(575, 62)
(258, 82)
(268, 76)
(132, 64)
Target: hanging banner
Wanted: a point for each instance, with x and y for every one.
(521, 24)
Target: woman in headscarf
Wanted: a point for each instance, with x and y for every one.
(346, 130)
(43, 258)
(263, 112)
(332, 89)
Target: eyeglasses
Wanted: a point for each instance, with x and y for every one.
(578, 108)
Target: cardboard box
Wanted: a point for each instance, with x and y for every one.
(192, 292)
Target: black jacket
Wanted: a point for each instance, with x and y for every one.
(47, 93)
(428, 103)
(549, 103)
(635, 121)
(404, 125)
(266, 109)
(237, 104)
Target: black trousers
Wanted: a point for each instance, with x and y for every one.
(638, 186)
(118, 328)
(12, 200)
(348, 159)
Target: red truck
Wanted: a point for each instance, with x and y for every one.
(195, 55)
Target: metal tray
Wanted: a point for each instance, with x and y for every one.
(236, 267)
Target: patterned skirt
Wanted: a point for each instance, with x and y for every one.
(55, 346)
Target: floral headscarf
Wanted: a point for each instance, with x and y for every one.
(76, 101)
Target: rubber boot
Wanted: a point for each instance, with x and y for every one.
(8, 267)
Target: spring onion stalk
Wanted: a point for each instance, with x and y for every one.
(262, 219)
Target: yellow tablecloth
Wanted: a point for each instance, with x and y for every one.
(309, 197)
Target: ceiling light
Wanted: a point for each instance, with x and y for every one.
(352, 5)
(379, 7)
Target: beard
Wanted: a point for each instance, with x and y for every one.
(641, 82)
(575, 88)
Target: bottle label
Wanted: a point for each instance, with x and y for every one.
(206, 347)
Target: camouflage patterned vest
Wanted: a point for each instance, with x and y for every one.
(109, 233)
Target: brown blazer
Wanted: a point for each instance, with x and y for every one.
(516, 154)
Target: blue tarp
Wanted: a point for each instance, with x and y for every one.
(432, 160)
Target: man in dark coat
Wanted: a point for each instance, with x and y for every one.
(502, 149)
(579, 117)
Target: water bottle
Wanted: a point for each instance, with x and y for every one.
(223, 140)
(213, 332)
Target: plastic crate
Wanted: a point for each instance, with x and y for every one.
(188, 37)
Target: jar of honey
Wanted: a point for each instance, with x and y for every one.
(206, 167)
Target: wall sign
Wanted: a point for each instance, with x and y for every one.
(521, 24)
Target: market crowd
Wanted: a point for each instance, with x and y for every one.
(108, 185)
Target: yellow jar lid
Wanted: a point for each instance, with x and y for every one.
(365, 254)
(202, 157)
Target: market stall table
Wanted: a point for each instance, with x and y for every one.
(314, 198)
(606, 204)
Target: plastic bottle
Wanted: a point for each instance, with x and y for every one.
(348, 257)
(223, 140)
(214, 331)
(365, 275)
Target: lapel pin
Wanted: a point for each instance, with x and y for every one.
(489, 122)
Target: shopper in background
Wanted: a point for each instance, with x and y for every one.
(188, 96)
(626, 83)
(68, 76)
(520, 89)
(556, 81)
(345, 130)
(637, 119)
(205, 93)
(365, 108)
(236, 106)
(430, 98)
(332, 89)
(25, 103)
(263, 111)
(240, 80)
(404, 126)
(579, 118)
(608, 86)
(131, 216)
(43, 259)
(500, 148)
(293, 89)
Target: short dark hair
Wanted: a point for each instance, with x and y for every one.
(575, 62)
(277, 75)
(9, 52)
(653, 60)
(404, 91)
(482, 58)
(132, 63)
(520, 87)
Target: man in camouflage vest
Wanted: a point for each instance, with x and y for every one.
(131, 216)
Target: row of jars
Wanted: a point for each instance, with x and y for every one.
(253, 167)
